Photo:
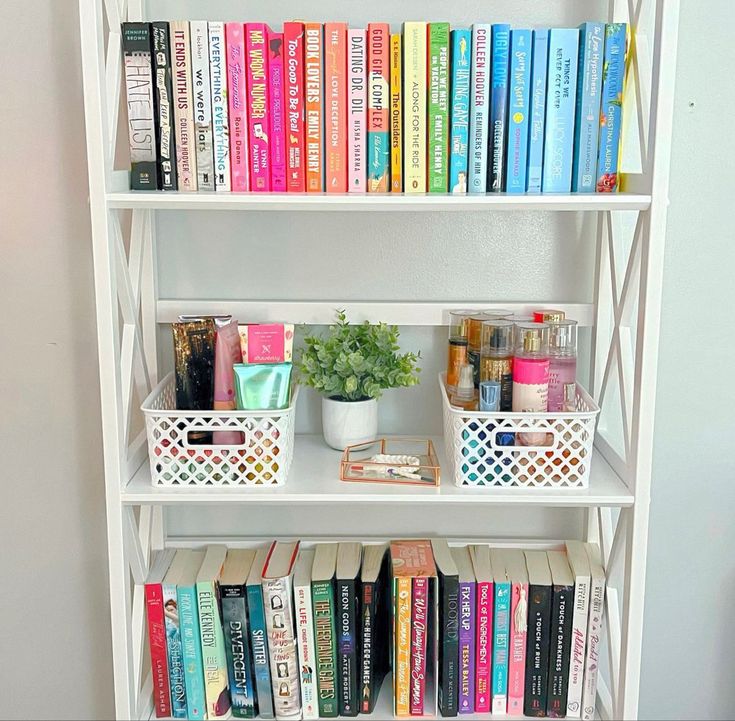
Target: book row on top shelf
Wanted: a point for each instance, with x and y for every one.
(323, 108)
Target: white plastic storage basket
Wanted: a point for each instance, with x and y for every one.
(478, 457)
(262, 458)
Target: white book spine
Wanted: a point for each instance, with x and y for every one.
(594, 632)
(578, 645)
(306, 650)
(202, 104)
(186, 160)
(220, 111)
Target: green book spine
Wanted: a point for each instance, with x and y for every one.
(322, 596)
(438, 107)
(212, 637)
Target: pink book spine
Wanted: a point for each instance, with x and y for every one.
(277, 94)
(236, 90)
(335, 100)
(293, 40)
(419, 618)
(517, 654)
(357, 113)
(257, 86)
(483, 646)
(157, 645)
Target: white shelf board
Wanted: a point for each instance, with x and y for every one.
(314, 480)
(158, 200)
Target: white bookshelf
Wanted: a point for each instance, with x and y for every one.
(621, 313)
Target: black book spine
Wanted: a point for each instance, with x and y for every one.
(347, 647)
(237, 648)
(164, 98)
(562, 608)
(537, 651)
(368, 607)
(448, 645)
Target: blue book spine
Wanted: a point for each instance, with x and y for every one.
(259, 645)
(589, 90)
(538, 109)
(611, 116)
(479, 107)
(518, 110)
(498, 107)
(501, 633)
(196, 704)
(174, 651)
(461, 49)
(561, 93)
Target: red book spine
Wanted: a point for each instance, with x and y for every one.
(277, 93)
(258, 123)
(335, 94)
(419, 624)
(293, 40)
(157, 643)
(314, 92)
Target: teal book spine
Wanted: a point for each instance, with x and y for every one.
(561, 95)
(461, 49)
(174, 651)
(589, 90)
(479, 108)
(611, 115)
(498, 108)
(537, 122)
(259, 645)
(186, 597)
(518, 110)
(216, 685)
(501, 633)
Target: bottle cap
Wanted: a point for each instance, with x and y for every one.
(520, 318)
(459, 322)
(546, 316)
(532, 338)
(462, 342)
(497, 337)
(489, 396)
(466, 386)
(563, 337)
(503, 313)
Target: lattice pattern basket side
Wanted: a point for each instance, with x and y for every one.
(481, 447)
(248, 448)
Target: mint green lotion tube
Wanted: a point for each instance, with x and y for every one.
(263, 386)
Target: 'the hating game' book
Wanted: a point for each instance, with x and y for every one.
(461, 43)
(466, 629)
(448, 627)
(498, 108)
(539, 633)
(438, 107)
(518, 110)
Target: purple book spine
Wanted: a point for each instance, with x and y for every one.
(467, 647)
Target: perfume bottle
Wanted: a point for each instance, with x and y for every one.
(458, 342)
(562, 361)
(531, 375)
(474, 348)
(465, 395)
(496, 358)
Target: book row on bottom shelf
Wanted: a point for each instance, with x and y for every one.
(288, 631)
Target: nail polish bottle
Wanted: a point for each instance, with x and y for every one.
(496, 358)
(458, 343)
(465, 395)
(531, 375)
(562, 361)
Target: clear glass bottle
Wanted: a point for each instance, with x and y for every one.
(457, 347)
(562, 360)
(496, 358)
(465, 394)
(531, 375)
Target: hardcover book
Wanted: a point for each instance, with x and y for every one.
(448, 627)
(277, 94)
(186, 596)
(279, 622)
(335, 103)
(483, 570)
(498, 107)
(256, 35)
(538, 110)
(374, 623)
(461, 41)
(233, 595)
(414, 107)
(349, 556)
(562, 601)
(539, 636)
(479, 108)
(396, 114)
(419, 627)
(467, 596)
(438, 107)
(518, 110)
(594, 630)
(378, 147)
(518, 574)
(325, 630)
(157, 633)
(216, 687)
(611, 116)
(580, 565)
(561, 94)
(202, 104)
(589, 90)
(220, 116)
(305, 633)
(164, 106)
(501, 632)
(314, 89)
(137, 47)
(173, 633)
(259, 636)
(356, 126)
(186, 161)
(237, 97)
(293, 38)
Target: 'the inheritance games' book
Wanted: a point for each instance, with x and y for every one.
(322, 598)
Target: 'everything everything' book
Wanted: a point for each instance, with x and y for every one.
(220, 118)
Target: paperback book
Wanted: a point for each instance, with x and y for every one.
(186, 163)
(498, 106)
(461, 41)
(562, 602)
(305, 633)
(419, 628)
(538, 110)
(518, 575)
(448, 627)
(335, 101)
(594, 630)
(237, 97)
(518, 110)
(479, 107)
(173, 633)
(277, 110)
(164, 106)
(293, 39)
(325, 629)
(580, 565)
(396, 114)
(482, 567)
(202, 104)
(357, 130)
(414, 107)
(256, 35)
(539, 635)
(186, 596)
(467, 598)
(501, 632)
(378, 147)
(314, 90)
(349, 556)
(438, 107)
(220, 119)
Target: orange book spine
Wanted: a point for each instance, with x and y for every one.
(314, 90)
(335, 94)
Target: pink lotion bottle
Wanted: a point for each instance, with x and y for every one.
(531, 375)
(562, 361)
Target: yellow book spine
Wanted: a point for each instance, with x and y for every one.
(396, 141)
(414, 106)
(403, 647)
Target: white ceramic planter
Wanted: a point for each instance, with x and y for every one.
(346, 423)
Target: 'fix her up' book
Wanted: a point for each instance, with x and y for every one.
(463, 562)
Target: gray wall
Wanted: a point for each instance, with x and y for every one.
(55, 603)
